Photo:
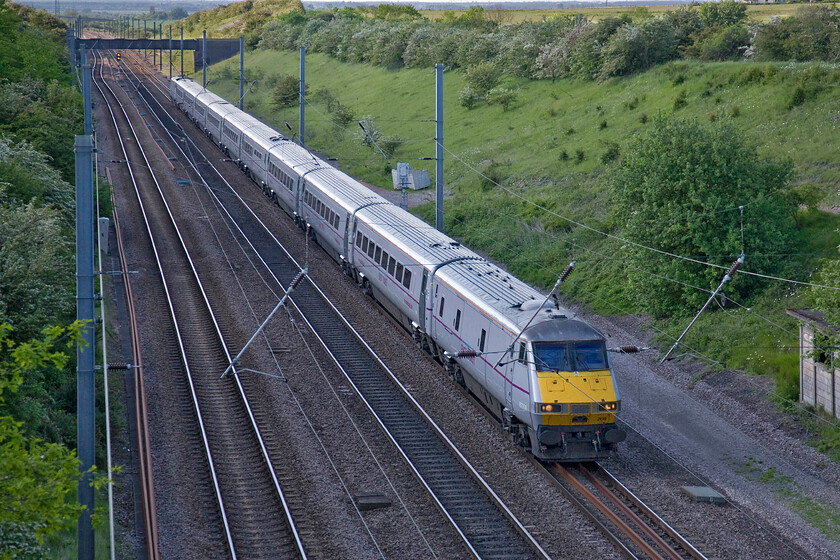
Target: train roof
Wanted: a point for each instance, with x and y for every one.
(573, 330)
(503, 295)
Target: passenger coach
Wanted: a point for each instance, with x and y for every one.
(544, 373)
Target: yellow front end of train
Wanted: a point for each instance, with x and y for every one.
(576, 402)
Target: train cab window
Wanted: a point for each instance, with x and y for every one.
(407, 279)
(364, 244)
(399, 274)
(378, 255)
(457, 319)
(440, 311)
(552, 356)
(521, 352)
(392, 266)
(358, 239)
(590, 355)
(482, 340)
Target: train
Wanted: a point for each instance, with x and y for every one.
(544, 373)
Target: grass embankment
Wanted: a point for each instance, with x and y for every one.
(556, 147)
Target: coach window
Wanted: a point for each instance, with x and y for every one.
(378, 255)
(383, 262)
(364, 244)
(481, 340)
(392, 265)
(371, 248)
(358, 239)
(407, 279)
(440, 311)
(457, 319)
(399, 272)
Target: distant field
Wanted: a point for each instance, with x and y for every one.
(756, 12)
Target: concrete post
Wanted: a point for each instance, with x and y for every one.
(302, 98)
(439, 147)
(85, 366)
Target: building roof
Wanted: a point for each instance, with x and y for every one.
(813, 316)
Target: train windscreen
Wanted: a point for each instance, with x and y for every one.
(574, 356)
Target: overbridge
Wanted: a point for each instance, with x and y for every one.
(217, 49)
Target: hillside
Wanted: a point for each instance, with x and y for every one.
(236, 19)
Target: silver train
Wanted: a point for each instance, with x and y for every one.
(545, 374)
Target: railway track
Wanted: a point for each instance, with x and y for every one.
(632, 525)
(252, 511)
(485, 524)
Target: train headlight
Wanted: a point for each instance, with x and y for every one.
(609, 406)
(551, 408)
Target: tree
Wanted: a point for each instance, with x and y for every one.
(823, 299)
(502, 96)
(287, 91)
(724, 13)
(482, 77)
(678, 190)
(37, 479)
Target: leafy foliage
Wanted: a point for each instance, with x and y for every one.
(827, 301)
(287, 91)
(502, 96)
(679, 189)
(38, 479)
(483, 77)
(37, 102)
(468, 97)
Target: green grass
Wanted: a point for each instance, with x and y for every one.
(818, 513)
(550, 148)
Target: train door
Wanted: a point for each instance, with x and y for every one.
(349, 237)
(425, 302)
(516, 378)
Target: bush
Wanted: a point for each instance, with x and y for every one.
(468, 97)
(633, 48)
(611, 153)
(483, 77)
(343, 116)
(674, 181)
(797, 99)
(287, 91)
(811, 34)
(390, 144)
(369, 134)
(580, 155)
(502, 96)
(720, 43)
(680, 100)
